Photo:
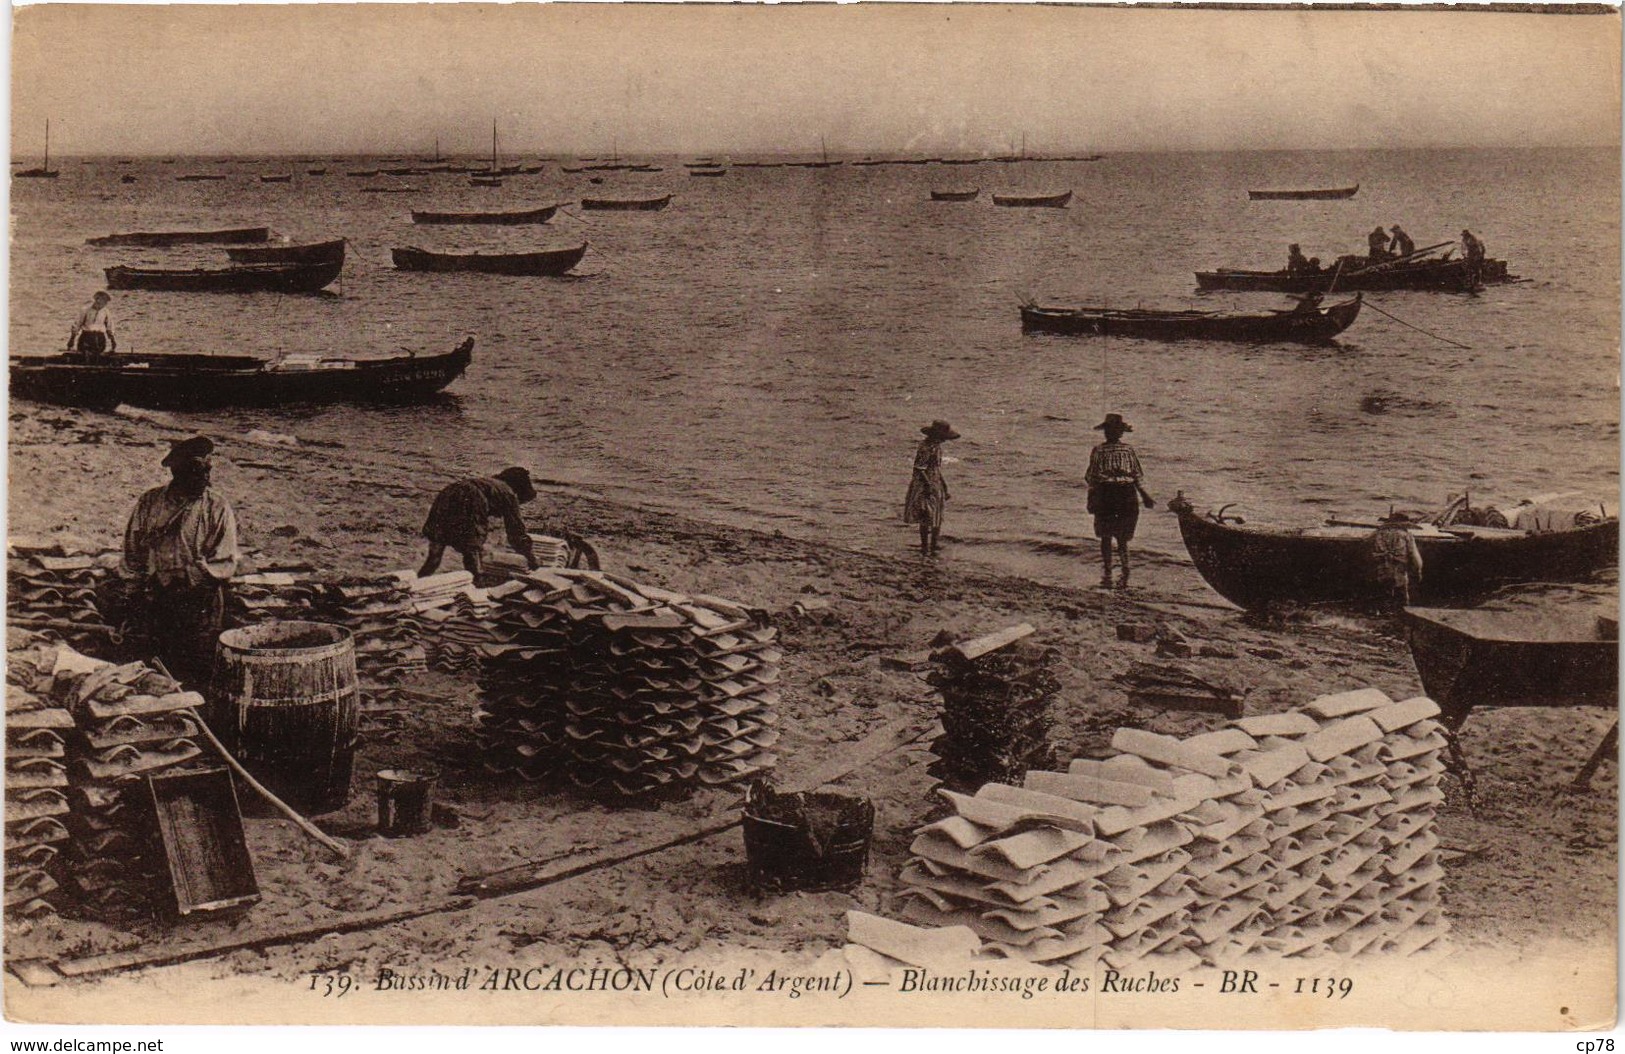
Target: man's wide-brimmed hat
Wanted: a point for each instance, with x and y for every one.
(518, 480)
(939, 430)
(194, 449)
(1114, 423)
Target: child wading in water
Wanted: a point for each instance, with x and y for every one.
(927, 490)
(1115, 494)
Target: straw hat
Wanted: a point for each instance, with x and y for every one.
(939, 430)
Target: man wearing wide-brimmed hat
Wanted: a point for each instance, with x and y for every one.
(927, 490)
(1115, 493)
(461, 518)
(1396, 560)
(180, 550)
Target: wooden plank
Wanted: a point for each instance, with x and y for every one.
(141, 958)
(35, 973)
(974, 649)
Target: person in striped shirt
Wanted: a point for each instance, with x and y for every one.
(1115, 493)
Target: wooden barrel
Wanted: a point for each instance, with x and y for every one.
(285, 702)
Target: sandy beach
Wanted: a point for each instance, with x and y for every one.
(1526, 865)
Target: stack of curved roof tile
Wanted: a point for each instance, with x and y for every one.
(1302, 833)
(995, 715)
(36, 790)
(123, 724)
(625, 689)
(46, 581)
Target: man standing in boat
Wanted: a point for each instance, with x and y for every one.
(1397, 560)
(1474, 249)
(1115, 493)
(1297, 263)
(1377, 247)
(461, 518)
(180, 551)
(92, 333)
(1401, 244)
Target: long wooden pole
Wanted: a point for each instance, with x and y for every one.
(277, 803)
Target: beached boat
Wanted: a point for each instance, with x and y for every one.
(240, 278)
(708, 172)
(1332, 194)
(514, 218)
(45, 171)
(276, 179)
(161, 239)
(314, 252)
(1033, 201)
(1255, 567)
(200, 177)
(484, 181)
(1547, 656)
(548, 262)
(204, 381)
(1303, 324)
(315, 171)
(1452, 275)
(955, 195)
(626, 204)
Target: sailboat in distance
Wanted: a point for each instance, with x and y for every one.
(44, 171)
(491, 178)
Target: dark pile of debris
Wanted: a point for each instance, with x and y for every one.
(996, 693)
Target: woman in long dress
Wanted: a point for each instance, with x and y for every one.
(927, 490)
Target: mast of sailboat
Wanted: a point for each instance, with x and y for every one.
(824, 147)
(493, 146)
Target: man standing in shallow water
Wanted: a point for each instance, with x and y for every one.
(1115, 493)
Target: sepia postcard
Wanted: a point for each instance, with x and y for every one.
(925, 515)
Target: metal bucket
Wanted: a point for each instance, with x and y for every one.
(404, 802)
(806, 842)
(285, 702)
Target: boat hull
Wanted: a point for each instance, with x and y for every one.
(1258, 568)
(516, 218)
(160, 239)
(625, 204)
(194, 382)
(1043, 201)
(1332, 194)
(243, 278)
(954, 195)
(1477, 658)
(1453, 276)
(1279, 326)
(542, 264)
(316, 252)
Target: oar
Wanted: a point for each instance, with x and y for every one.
(1399, 259)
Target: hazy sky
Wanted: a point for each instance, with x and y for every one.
(330, 78)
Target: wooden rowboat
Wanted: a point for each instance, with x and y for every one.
(1521, 657)
(242, 278)
(626, 204)
(1033, 201)
(546, 263)
(1301, 325)
(523, 216)
(202, 381)
(160, 239)
(1332, 194)
(1256, 567)
(276, 179)
(315, 252)
(955, 195)
(1435, 275)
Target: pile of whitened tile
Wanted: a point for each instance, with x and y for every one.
(996, 694)
(57, 592)
(623, 688)
(1299, 833)
(91, 731)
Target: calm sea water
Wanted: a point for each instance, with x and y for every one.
(765, 350)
